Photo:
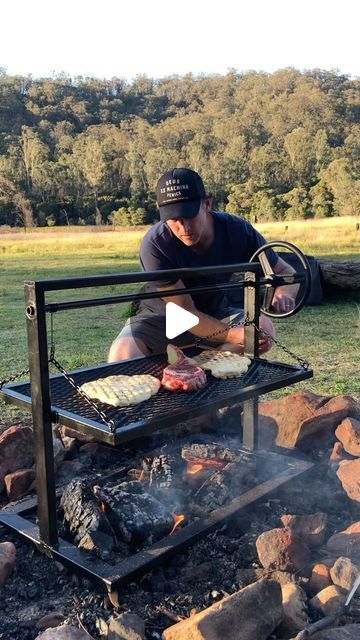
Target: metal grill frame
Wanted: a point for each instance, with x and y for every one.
(45, 536)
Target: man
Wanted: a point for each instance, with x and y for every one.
(190, 234)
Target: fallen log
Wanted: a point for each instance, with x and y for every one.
(345, 275)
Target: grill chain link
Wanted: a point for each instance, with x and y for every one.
(108, 422)
(14, 377)
(303, 363)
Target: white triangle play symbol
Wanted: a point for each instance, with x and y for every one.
(178, 320)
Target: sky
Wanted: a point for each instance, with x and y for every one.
(158, 38)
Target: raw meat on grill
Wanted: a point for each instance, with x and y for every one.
(181, 374)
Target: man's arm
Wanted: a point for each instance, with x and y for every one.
(284, 297)
(208, 325)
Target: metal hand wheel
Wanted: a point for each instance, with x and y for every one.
(271, 278)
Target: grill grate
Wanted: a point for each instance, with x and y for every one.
(260, 375)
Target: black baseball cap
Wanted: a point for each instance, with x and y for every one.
(179, 193)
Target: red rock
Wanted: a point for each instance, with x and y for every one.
(349, 476)
(7, 560)
(329, 600)
(73, 433)
(347, 632)
(311, 528)
(251, 613)
(338, 454)
(320, 578)
(346, 543)
(19, 483)
(301, 416)
(348, 432)
(282, 549)
(53, 619)
(126, 626)
(295, 615)
(16, 448)
(344, 573)
(64, 632)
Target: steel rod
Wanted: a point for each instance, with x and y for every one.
(41, 413)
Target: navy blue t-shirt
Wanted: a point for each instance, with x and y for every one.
(235, 241)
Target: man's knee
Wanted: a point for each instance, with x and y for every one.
(267, 325)
(127, 347)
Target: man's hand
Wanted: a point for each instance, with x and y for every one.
(284, 297)
(282, 301)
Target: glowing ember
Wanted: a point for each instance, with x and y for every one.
(178, 519)
(194, 466)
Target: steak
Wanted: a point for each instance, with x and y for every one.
(181, 374)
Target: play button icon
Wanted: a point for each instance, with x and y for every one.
(178, 320)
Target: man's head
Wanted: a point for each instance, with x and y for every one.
(179, 193)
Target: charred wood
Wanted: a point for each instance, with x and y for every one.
(82, 512)
(136, 516)
(211, 451)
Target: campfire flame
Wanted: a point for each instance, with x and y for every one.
(178, 519)
(194, 466)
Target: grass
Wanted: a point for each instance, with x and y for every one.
(327, 335)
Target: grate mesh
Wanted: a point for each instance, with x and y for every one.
(260, 374)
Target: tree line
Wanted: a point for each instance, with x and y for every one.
(89, 151)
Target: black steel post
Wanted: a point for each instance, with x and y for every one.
(251, 349)
(41, 412)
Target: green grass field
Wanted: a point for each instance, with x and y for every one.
(328, 335)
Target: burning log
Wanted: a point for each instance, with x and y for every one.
(161, 472)
(136, 516)
(83, 513)
(211, 451)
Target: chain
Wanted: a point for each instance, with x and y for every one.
(303, 363)
(102, 415)
(15, 376)
(231, 325)
(109, 423)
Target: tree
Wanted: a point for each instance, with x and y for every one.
(321, 200)
(298, 204)
(342, 184)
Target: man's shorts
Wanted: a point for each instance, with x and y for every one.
(150, 329)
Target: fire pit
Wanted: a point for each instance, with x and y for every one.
(56, 399)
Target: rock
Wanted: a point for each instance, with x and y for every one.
(73, 433)
(53, 619)
(311, 528)
(7, 561)
(16, 449)
(348, 432)
(348, 632)
(251, 613)
(246, 576)
(346, 543)
(344, 572)
(295, 614)
(64, 632)
(320, 578)
(349, 476)
(301, 416)
(89, 449)
(19, 483)
(329, 600)
(126, 626)
(338, 454)
(59, 452)
(282, 549)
